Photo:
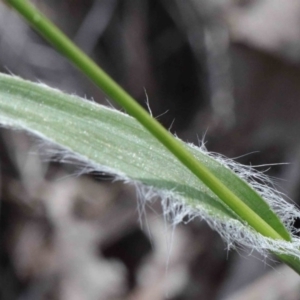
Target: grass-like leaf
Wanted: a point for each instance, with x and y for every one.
(108, 140)
(197, 184)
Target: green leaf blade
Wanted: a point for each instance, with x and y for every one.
(107, 138)
(110, 138)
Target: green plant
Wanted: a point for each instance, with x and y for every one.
(192, 181)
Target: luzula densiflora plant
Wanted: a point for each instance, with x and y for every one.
(237, 201)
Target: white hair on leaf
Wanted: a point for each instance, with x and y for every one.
(176, 209)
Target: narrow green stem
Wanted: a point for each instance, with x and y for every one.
(291, 261)
(115, 92)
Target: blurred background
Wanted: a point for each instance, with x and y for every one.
(226, 70)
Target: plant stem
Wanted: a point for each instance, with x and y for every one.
(119, 95)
